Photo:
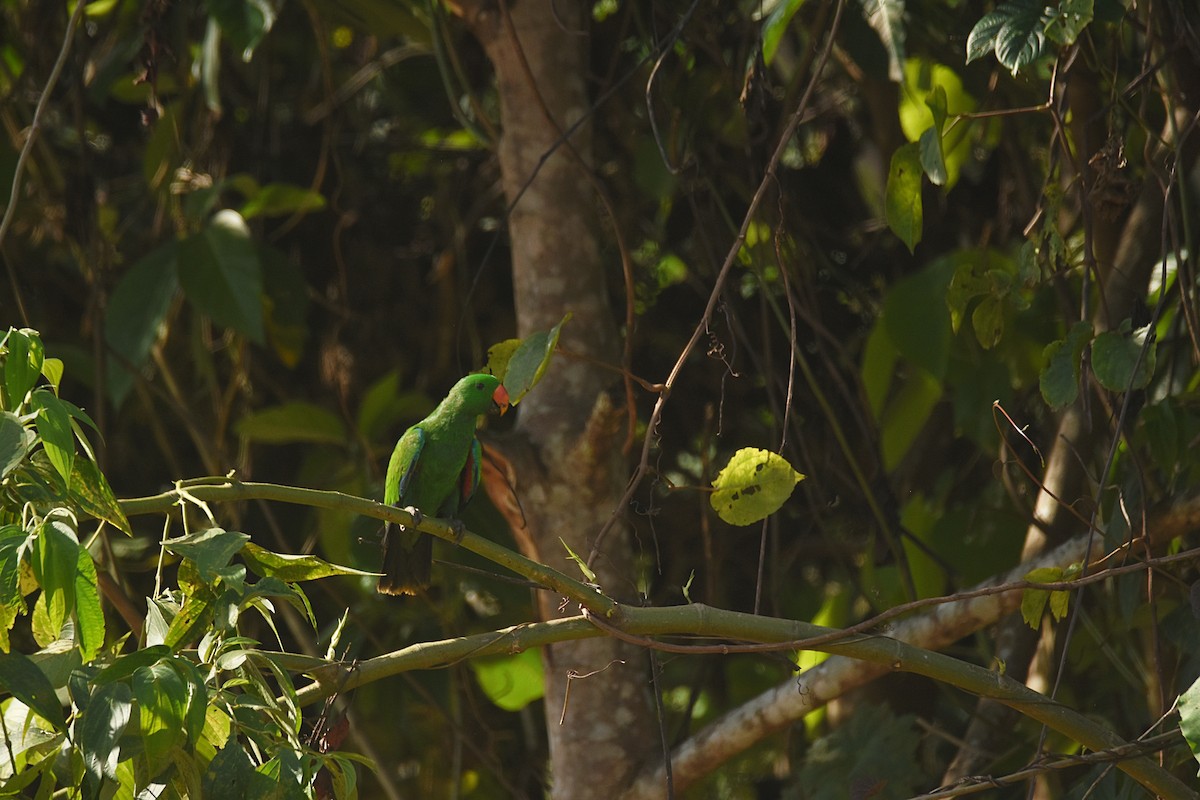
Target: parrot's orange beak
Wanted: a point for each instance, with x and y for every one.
(500, 398)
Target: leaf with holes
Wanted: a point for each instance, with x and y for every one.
(752, 486)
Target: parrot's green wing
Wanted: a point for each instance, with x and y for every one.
(407, 554)
(403, 465)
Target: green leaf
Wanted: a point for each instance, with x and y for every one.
(279, 199)
(129, 663)
(775, 25)
(20, 676)
(1117, 358)
(933, 154)
(906, 414)
(197, 699)
(15, 442)
(99, 731)
(54, 428)
(231, 774)
(91, 492)
(1072, 17)
(511, 681)
(1021, 37)
(874, 749)
(887, 18)
(752, 486)
(294, 421)
(22, 366)
(1189, 718)
(903, 196)
(292, 568)
(220, 273)
(498, 356)
(982, 39)
(988, 321)
(1059, 378)
(529, 362)
(1033, 601)
(89, 616)
(54, 561)
(209, 549)
(162, 700)
(13, 541)
(918, 325)
(135, 313)
(193, 618)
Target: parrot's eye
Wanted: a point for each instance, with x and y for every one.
(479, 386)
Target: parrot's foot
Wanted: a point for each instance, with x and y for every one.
(458, 528)
(417, 516)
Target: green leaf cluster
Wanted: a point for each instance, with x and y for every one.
(1018, 31)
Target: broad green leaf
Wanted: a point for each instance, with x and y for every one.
(510, 681)
(903, 196)
(54, 429)
(932, 93)
(91, 492)
(1072, 17)
(498, 356)
(906, 414)
(162, 700)
(982, 39)
(916, 323)
(529, 362)
(89, 616)
(752, 486)
(988, 321)
(933, 155)
(135, 314)
(209, 549)
(99, 730)
(22, 366)
(1116, 354)
(292, 568)
(1059, 378)
(54, 561)
(15, 442)
(129, 663)
(294, 421)
(52, 371)
(775, 25)
(1021, 36)
(1033, 601)
(192, 619)
(887, 18)
(220, 273)
(231, 774)
(20, 676)
(1189, 718)
(197, 699)
(278, 199)
(13, 540)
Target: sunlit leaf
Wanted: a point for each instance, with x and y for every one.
(903, 196)
(278, 199)
(887, 18)
(54, 560)
(91, 492)
(1189, 718)
(209, 549)
(752, 486)
(510, 681)
(100, 729)
(529, 361)
(54, 429)
(292, 568)
(162, 700)
(22, 366)
(15, 441)
(89, 616)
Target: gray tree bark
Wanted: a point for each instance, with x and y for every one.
(565, 463)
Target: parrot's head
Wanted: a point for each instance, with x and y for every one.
(480, 393)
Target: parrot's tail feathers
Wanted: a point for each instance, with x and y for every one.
(406, 568)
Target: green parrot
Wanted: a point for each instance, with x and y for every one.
(435, 469)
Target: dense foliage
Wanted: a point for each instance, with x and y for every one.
(257, 239)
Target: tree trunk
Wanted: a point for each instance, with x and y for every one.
(566, 464)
